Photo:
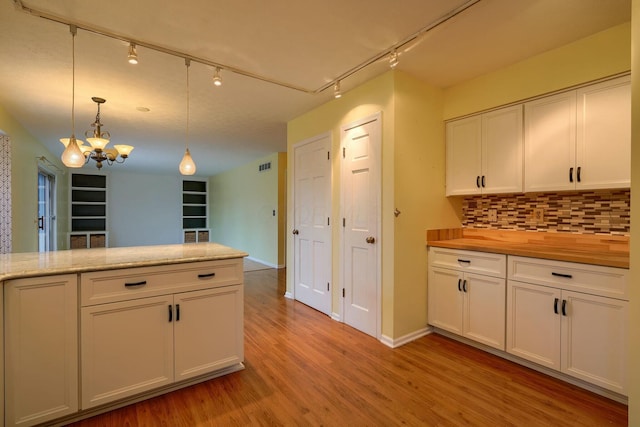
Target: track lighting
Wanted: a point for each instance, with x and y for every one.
(393, 59)
(133, 55)
(336, 90)
(217, 80)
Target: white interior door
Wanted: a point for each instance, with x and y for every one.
(361, 147)
(312, 228)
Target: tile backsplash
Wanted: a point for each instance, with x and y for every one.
(585, 212)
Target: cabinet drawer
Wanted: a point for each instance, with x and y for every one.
(124, 284)
(469, 261)
(592, 279)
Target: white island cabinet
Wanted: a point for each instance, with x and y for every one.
(143, 328)
(41, 349)
(93, 329)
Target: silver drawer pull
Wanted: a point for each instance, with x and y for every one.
(206, 275)
(567, 276)
(144, 282)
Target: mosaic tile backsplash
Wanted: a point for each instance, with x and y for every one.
(585, 212)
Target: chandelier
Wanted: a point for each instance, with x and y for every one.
(98, 139)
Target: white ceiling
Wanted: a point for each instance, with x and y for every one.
(302, 43)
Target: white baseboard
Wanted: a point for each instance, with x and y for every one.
(288, 295)
(336, 316)
(278, 266)
(397, 342)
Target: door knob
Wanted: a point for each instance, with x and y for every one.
(370, 239)
(295, 231)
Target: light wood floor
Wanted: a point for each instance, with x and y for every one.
(303, 368)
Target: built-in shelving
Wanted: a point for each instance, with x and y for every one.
(194, 211)
(88, 211)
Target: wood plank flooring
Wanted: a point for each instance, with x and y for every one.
(304, 369)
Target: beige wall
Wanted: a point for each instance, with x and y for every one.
(282, 209)
(412, 181)
(25, 149)
(634, 304)
(365, 100)
(602, 54)
(413, 154)
(241, 205)
(419, 196)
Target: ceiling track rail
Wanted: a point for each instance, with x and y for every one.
(408, 42)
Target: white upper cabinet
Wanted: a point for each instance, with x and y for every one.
(502, 151)
(484, 153)
(579, 139)
(464, 156)
(603, 147)
(550, 143)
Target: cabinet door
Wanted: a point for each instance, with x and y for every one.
(41, 333)
(484, 309)
(533, 327)
(603, 147)
(445, 299)
(208, 330)
(549, 142)
(594, 340)
(127, 348)
(502, 151)
(463, 162)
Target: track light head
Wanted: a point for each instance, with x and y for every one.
(393, 59)
(133, 55)
(217, 80)
(336, 90)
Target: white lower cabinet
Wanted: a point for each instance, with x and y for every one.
(466, 303)
(41, 349)
(580, 334)
(134, 345)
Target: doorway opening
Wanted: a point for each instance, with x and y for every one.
(46, 211)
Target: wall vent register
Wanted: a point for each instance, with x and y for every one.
(264, 167)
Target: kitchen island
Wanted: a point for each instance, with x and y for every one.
(88, 330)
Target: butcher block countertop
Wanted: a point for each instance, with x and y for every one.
(610, 251)
(32, 264)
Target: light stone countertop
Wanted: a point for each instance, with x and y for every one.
(33, 264)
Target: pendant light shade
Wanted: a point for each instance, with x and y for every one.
(72, 156)
(187, 166)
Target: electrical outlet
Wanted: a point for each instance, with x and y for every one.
(492, 215)
(538, 215)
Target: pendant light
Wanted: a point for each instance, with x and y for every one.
(187, 166)
(72, 155)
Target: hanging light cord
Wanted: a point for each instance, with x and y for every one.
(73, 30)
(187, 62)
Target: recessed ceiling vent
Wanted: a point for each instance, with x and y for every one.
(264, 167)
